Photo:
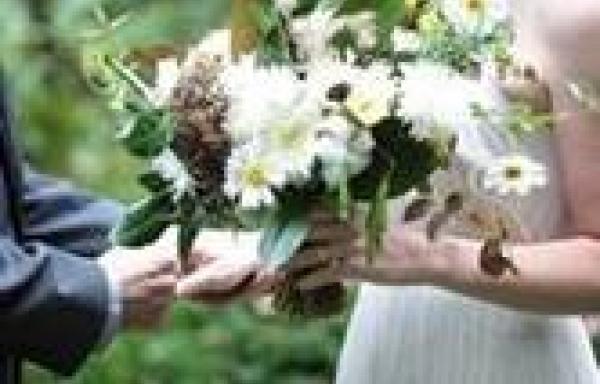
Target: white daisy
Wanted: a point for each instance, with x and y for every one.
(476, 16)
(371, 91)
(342, 150)
(313, 33)
(275, 107)
(286, 6)
(405, 41)
(515, 174)
(217, 43)
(251, 176)
(363, 24)
(439, 103)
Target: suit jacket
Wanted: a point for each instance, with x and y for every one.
(54, 300)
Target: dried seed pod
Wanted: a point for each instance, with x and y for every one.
(492, 260)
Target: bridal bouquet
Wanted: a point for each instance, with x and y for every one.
(323, 106)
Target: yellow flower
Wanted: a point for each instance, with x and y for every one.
(474, 6)
(367, 109)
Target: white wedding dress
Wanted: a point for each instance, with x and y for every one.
(426, 335)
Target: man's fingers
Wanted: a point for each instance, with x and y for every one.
(217, 277)
(161, 286)
(336, 232)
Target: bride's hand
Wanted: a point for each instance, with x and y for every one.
(408, 257)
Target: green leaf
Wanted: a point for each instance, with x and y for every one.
(145, 221)
(377, 218)
(147, 134)
(129, 77)
(282, 240)
(153, 182)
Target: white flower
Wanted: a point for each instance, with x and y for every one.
(342, 149)
(439, 103)
(252, 176)
(364, 26)
(286, 6)
(259, 96)
(167, 76)
(313, 33)
(372, 91)
(515, 174)
(405, 41)
(170, 168)
(272, 105)
(476, 16)
(216, 44)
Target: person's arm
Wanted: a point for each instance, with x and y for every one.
(560, 277)
(53, 306)
(57, 302)
(58, 214)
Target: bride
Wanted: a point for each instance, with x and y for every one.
(533, 332)
(431, 316)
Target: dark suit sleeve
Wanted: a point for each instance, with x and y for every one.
(54, 299)
(53, 305)
(68, 219)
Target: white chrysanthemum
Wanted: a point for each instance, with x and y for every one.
(286, 6)
(405, 41)
(313, 33)
(275, 107)
(172, 169)
(476, 16)
(342, 150)
(216, 44)
(167, 74)
(515, 174)
(439, 102)
(252, 176)
(363, 24)
(372, 90)
(258, 96)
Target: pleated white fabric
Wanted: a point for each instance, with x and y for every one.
(425, 335)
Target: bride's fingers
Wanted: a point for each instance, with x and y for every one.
(336, 232)
(320, 278)
(335, 270)
(312, 256)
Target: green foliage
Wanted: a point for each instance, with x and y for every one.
(205, 345)
(398, 156)
(145, 221)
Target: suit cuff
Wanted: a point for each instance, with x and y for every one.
(115, 310)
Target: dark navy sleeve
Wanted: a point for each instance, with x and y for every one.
(58, 214)
(53, 305)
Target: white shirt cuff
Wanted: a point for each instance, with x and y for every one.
(115, 310)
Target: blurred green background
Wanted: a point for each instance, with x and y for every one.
(68, 131)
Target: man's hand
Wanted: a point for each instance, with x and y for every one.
(226, 267)
(147, 278)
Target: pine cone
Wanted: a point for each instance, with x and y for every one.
(200, 140)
